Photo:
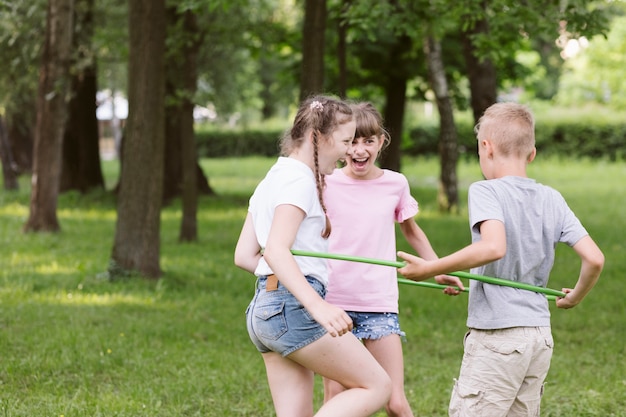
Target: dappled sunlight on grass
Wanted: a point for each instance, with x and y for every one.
(74, 343)
(14, 209)
(85, 214)
(77, 298)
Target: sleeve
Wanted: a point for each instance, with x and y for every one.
(572, 229)
(483, 205)
(297, 191)
(407, 205)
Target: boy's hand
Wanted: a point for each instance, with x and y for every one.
(566, 302)
(415, 268)
(456, 284)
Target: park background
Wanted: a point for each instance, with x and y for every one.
(118, 295)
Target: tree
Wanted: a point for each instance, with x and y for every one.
(395, 100)
(51, 117)
(448, 196)
(385, 55)
(8, 165)
(596, 72)
(81, 168)
(496, 30)
(313, 41)
(181, 161)
(480, 70)
(136, 245)
(21, 43)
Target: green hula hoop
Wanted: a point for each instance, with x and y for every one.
(550, 293)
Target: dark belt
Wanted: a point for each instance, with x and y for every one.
(272, 283)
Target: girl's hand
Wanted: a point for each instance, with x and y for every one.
(334, 319)
(455, 284)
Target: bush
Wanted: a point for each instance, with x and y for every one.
(577, 138)
(230, 142)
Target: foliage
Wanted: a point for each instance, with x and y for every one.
(595, 73)
(75, 344)
(588, 134)
(110, 43)
(22, 30)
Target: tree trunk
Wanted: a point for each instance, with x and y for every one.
(342, 33)
(20, 122)
(81, 154)
(51, 117)
(189, 223)
(313, 40)
(481, 73)
(180, 86)
(448, 142)
(9, 172)
(137, 234)
(395, 103)
(395, 99)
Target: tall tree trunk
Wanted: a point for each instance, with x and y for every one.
(395, 103)
(137, 234)
(189, 222)
(9, 172)
(51, 117)
(81, 154)
(313, 40)
(481, 72)
(342, 33)
(448, 142)
(393, 114)
(180, 86)
(20, 122)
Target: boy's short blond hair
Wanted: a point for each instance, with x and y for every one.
(510, 127)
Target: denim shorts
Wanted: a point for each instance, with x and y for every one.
(277, 322)
(374, 325)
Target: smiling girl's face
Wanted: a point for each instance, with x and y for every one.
(361, 159)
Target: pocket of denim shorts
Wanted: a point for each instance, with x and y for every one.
(271, 322)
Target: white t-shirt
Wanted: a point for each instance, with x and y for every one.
(363, 214)
(290, 181)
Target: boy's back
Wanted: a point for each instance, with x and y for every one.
(536, 218)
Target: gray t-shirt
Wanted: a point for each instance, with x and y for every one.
(536, 218)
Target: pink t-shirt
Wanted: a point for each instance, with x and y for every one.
(363, 215)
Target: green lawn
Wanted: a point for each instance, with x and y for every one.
(74, 344)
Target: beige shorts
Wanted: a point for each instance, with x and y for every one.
(502, 373)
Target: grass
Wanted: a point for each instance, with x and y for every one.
(74, 344)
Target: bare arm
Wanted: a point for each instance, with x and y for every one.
(592, 262)
(418, 240)
(247, 251)
(491, 247)
(277, 254)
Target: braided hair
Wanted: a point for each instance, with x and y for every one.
(321, 115)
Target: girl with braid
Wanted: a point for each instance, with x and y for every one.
(298, 333)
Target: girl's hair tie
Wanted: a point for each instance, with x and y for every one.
(316, 105)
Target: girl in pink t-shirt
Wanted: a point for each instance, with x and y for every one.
(363, 203)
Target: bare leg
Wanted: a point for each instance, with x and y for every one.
(388, 352)
(291, 386)
(345, 360)
(331, 388)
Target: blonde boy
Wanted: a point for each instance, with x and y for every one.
(515, 225)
